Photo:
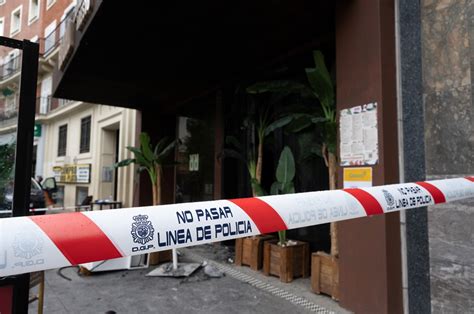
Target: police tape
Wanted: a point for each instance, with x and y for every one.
(43, 242)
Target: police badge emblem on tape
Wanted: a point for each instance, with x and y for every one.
(142, 232)
(52, 241)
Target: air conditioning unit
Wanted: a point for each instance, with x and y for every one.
(128, 262)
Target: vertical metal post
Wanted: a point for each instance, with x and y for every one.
(23, 156)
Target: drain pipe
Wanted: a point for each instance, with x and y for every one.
(401, 163)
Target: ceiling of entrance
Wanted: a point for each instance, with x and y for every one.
(139, 55)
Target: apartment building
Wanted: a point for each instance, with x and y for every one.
(75, 142)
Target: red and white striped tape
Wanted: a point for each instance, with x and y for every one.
(43, 242)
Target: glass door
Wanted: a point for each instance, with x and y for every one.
(195, 157)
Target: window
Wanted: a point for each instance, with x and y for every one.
(33, 12)
(81, 194)
(12, 63)
(15, 22)
(2, 25)
(85, 135)
(68, 15)
(62, 140)
(49, 3)
(50, 37)
(46, 91)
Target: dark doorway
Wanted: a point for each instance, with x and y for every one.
(195, 156)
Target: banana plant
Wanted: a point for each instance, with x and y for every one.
(319, 87)
(263, 127)
(150, 160)
(285, 173)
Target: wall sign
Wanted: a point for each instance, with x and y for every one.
(357, 177)
(76, 173)
(37, 130)
(359, 135)
(194, 162)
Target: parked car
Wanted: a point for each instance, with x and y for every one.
(40, 196)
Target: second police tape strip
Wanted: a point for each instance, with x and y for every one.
(37, 243)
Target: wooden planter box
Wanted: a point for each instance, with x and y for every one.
(160, 257)
(249, 251)
(286, 262)
(325, 274)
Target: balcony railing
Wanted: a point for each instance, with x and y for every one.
(53, 40)
(46, 104)
(6, 114)
(10, 67)
(75, 19)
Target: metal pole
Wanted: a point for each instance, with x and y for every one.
(23, 156)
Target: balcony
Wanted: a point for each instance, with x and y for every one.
(45, 105)
(8, 113)
(50, 44)
(10, 68)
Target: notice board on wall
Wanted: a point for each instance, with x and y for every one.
(359, 135)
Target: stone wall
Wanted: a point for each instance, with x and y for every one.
(448, 65)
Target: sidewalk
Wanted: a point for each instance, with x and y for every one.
(241, 290)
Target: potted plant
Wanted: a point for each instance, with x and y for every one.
(285, 258)
(249, 250)
(152, 161)
(319, 87)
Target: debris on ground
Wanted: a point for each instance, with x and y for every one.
(166, 270)
(213, 271)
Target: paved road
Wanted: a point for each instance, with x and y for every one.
(239, 291)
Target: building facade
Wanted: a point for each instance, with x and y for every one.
(413, 58)
(448, 67)
(74, 141)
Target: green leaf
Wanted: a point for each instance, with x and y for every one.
(167, 150)
(320, 66)
(252, 168)
(140, 159)
(317, 120)
(281, 237)
(124, 163)
(298, 124)
(259, 191)
(288, 188)
(321, 84)
(160, 145)
(286, 166)
(276, 188)
(277, 124)
(330, 136)
(146, 147)
(321, 90)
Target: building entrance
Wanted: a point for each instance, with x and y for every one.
(195, 157)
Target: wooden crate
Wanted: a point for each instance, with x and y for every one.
(249, 251)
(160, 257)
(286, 262)
(325, 274)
